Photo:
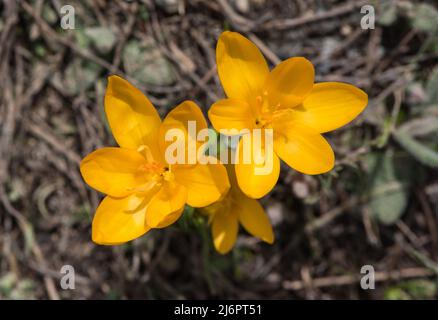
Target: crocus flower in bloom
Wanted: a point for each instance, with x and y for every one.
(143, 190)
(285, 100)
(235, 207)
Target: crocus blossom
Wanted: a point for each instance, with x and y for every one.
(143, 190)
(285, 100)
(236, 207)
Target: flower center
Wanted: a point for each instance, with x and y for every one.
(153, 171)
(168, 175)
(266, 113)
(153, 168)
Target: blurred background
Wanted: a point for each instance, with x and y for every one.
(378, 207)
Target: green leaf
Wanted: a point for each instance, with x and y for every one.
(388, 13)
(388, 203)
(103, 38)
(419, 151)
(432, 87)
(143, 12)
(14, 288)
(82, 40)
(388, 187)
(412, 289)
(420, 127)
(425, 18)
(49, 14)
(421, 288)
(77, 77)
(29, 237)
(395, 293)
(191, 220)
(145, 62)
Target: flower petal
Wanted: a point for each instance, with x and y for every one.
(224, 231)
(205, 183)
(114, 171)
(170, 219)
(188, 118)
(290, 82)
(253, 218)
(131, 116)
(256, 178)
(118, 220)
(302, 148)
(241, 66)
(330, 105)
(230, 114)
(166, 205)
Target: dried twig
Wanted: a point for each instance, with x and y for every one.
(300, 21)
(380, 276)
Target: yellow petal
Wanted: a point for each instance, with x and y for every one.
(205, 183)
(118, 220)
(131, 116)
(256, 178)
(230, 114)
(224, 231)
(302, 148)
(189, 120)
(330, 105)
(290, 82)
(114, 171)
(241, 66)
(170, 219)
(253, 218)
(166, 205)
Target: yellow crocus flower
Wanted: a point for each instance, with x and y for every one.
(143, 190)
(284, 100)
(235, 207)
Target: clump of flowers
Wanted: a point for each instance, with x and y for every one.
(144, 190)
